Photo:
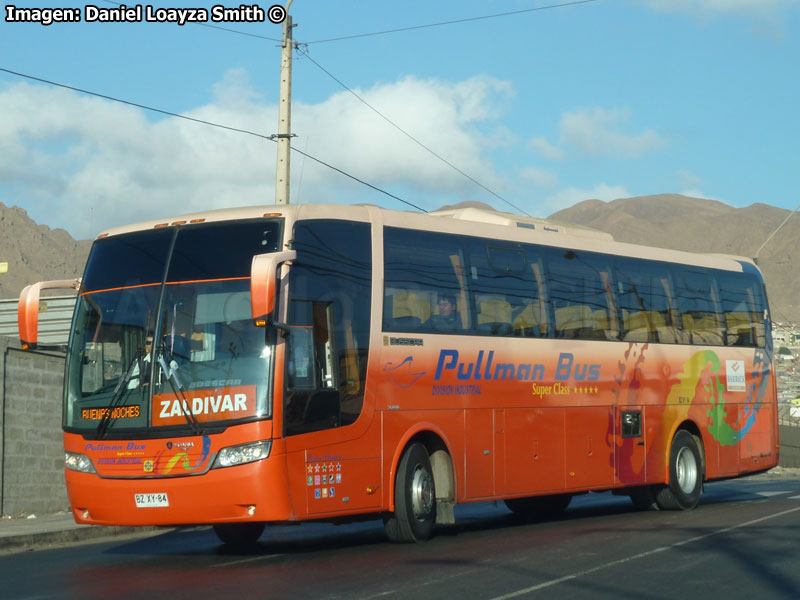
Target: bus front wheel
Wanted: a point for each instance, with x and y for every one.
(685, 474)
(239, 534)
(414, 498)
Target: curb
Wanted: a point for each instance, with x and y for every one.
(28, 541)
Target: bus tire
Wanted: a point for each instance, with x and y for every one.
(239, 534)
(414, 498)
(644, 497)
(685, 474)
(539, 507)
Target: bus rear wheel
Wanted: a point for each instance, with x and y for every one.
(414, 498)
(239, 534)
(685, 474)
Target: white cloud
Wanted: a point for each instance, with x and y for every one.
(570, 196)
(69, 158)
(539, 177)
(690, 185)
(713, 7)
(768, 17)
(689, 179)
(596, 132)
(545, 148)
(695, 193)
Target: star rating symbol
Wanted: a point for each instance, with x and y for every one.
(585, 389)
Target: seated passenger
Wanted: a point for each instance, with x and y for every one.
(448, 318)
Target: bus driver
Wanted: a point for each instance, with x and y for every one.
(448, 318)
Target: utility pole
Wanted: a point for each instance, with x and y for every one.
(284, 113)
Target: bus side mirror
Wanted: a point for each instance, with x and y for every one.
(28, 308)
(264, 282)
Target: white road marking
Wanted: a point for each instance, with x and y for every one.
(622, 561)
(245, 560)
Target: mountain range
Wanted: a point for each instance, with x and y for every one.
(37, 252)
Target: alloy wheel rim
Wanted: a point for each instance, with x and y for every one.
(422, 496)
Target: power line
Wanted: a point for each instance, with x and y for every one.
(262, 37)
(411, 137)
(399, 30)
(142, 106)
(376, 111)
(442, 23)
(210, 124)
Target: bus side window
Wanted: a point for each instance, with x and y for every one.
(506, 292)
(697, 300)
(742, 307)
(580, 292)
(329, 313)
(405, 310)
(644, 302)
(419, 268)
(494, 314)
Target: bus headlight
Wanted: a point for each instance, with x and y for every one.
(78, 462)
(246, 453)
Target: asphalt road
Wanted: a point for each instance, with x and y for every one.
(743, 541)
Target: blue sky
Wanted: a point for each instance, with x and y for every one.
(603, 99)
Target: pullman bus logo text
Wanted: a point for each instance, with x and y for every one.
(484, 367)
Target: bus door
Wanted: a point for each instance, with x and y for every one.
(589, 447)
(333, 455)
(630, 445)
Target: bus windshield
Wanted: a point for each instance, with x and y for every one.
(163, 338)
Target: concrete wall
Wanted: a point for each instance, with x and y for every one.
(31, 449)
(790, 446)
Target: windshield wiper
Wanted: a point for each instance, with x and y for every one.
(117, 395)
(178, 389)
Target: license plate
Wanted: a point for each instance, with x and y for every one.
(151, 500)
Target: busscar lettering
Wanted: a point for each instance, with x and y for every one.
(43, 16)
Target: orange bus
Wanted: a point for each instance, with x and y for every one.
(242, 367)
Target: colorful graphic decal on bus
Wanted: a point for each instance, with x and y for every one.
(215, 404)
(116, 456)
(181, 454)
(733, 393)
(132, 458)
(704, 382)
(323, 474)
